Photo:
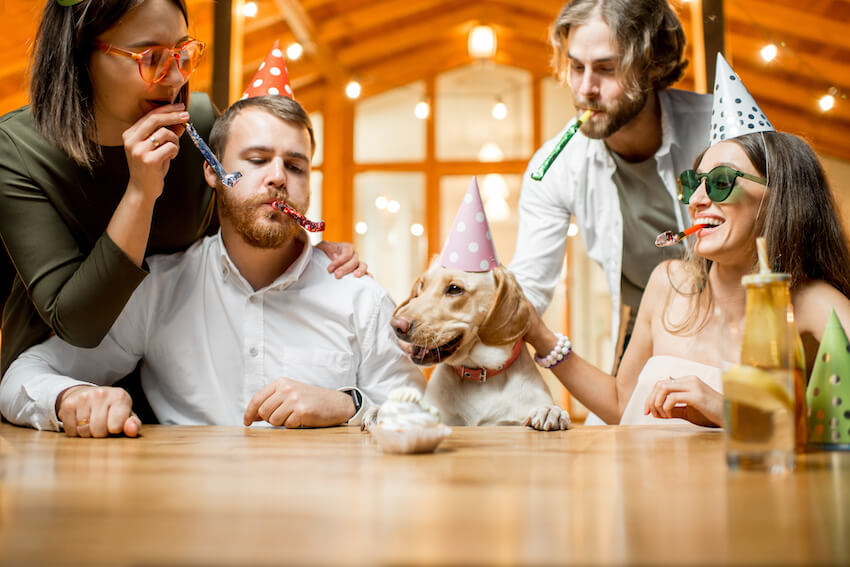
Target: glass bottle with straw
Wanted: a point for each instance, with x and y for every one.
(764, 395)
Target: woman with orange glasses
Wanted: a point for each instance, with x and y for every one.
(95, 173)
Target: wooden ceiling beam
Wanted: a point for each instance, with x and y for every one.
(825, 137)
(820, 71)
(403, 39)
(546, 9)
(383, 15)
(304, 30)
(509, 25)
(517, 22)
(779, 21)
(764, 86)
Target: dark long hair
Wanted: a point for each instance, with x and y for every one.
(649, 36)
(61, 92)
(799, 220)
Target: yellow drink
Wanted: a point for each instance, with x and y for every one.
(759, 414)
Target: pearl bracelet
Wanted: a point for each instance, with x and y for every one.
(559, 353)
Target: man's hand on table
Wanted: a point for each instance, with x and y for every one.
(294, 404)
(97, 411)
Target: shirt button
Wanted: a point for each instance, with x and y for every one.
(253, 351)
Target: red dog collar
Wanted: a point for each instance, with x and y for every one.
(481, 374)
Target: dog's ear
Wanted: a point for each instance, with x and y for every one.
(414, 291)
(508, 319)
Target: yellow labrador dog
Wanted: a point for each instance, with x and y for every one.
(471, 325)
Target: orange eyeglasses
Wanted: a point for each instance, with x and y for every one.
(155, 62)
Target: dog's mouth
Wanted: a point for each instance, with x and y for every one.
(424, 356)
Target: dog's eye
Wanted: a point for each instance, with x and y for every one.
(454, 290)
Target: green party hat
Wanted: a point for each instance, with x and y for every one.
(828, 394)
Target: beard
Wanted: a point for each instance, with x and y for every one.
(266, 229)
(617, 114)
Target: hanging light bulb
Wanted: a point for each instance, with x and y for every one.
(500, 109)
(361, 227)
(422, 110)
(768, 53)
(294, 51)
(482, 42)
(491, 152)
(249, 9)
(353, 89)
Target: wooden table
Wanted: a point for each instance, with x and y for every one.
(490, 495)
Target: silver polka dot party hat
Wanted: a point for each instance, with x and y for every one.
(735, 111)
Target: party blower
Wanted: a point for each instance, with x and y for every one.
(538, 173)
(669, 238)
(230, 179)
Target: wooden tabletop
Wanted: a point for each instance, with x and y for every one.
(490, 495)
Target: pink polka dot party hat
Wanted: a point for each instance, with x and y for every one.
(272, 78)
(469, 246)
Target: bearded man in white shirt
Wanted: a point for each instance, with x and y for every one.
(245, 326)
(617, 175)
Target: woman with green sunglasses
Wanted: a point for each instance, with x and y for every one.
(769, 184)
(95, 173)
(719, 182)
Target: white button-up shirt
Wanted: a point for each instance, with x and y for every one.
(210, 342)
(580, 183)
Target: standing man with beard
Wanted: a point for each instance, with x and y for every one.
(245, 326)
(617, 175)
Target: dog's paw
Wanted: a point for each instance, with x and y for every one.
(548, 418)
(370, 418)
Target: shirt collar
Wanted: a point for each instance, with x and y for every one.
(284, 280)
(668, 132)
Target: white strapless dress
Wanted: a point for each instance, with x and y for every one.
(660, 368)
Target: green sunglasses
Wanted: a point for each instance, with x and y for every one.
(719, 183)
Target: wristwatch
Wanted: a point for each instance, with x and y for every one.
(358, 399)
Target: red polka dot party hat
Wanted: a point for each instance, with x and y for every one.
(272, 77)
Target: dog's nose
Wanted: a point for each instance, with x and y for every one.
(401, 326)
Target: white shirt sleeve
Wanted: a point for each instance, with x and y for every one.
(541, 237)
(35, 379)
(383, 365)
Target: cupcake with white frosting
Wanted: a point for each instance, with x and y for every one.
(405, 424)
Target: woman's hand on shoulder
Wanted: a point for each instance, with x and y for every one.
(150, 144)
(685, 397)
(344, 259)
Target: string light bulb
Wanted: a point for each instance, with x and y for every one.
(249, 9)
(353, 90)
(500, 109)
(294, 51)
(826, 102)
(768, 52)
(422, 110)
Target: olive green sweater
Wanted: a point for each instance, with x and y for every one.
(72, 279)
